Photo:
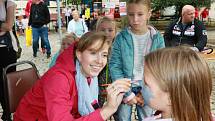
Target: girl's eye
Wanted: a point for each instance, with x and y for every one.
(93, 52)
(140, 14)
(130, 14)
(103, 30)
(110, 30)
(105, 55)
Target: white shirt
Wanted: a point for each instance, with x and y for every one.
(67, 11)
(2, 8)
(72, 27)
(3, 11)
(24, 23)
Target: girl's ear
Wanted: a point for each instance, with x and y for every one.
(78, 55)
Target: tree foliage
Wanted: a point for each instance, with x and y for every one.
(74, 2)
(160, 4)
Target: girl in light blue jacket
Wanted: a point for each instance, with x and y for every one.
(127, 57)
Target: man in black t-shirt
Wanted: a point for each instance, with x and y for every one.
(39, 18)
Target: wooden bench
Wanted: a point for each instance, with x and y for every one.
(53, 20)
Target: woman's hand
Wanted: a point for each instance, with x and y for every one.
(115, 93)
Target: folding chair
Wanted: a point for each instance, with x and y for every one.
(17, 83)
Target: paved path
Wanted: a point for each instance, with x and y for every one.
(42, 62)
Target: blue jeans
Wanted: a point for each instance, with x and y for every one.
(43, 33)
(124, 112)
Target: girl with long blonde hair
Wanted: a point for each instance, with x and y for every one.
(180, 85)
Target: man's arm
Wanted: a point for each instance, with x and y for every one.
(201, 35)
(168, 34)
(47, 14)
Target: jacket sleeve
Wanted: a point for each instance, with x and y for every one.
(168, 35)
(115, 62)
(58, 103)
(47, 14)
(161, 43)
(201, 35)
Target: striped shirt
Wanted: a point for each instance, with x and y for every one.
(142, 44)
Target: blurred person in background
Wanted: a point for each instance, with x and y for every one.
(39, 18)
(27, 14)
(92, 26)
(77, 25)
(7, 52)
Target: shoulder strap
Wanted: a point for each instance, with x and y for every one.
(82, 21)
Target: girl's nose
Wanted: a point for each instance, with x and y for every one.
(99, 59)
(135, 18)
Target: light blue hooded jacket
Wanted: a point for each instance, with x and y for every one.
(121, 61)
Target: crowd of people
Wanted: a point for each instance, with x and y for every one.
(100, 72)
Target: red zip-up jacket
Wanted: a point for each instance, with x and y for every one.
(54, 97)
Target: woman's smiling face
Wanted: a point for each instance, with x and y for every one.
(93, 59)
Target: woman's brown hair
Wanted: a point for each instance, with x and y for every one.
(90, 38)
(187, 78)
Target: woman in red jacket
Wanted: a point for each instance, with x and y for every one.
(69, 90)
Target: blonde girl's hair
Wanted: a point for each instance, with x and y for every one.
(89, 39)
(144, 2)
(187, 78)
(105, 19)
(70, 37)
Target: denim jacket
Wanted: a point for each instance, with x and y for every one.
(121, 61)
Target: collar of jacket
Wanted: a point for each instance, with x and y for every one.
(66, 60)
(180, 21)
(152, 30)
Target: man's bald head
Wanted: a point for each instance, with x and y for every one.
(188, 13)
(187, 8)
